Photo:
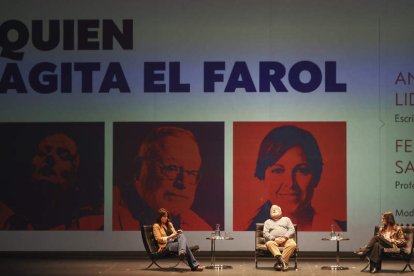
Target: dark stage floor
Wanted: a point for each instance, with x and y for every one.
(17, 265)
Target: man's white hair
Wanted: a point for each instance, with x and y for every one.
(278, 210)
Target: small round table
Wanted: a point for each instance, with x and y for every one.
(213, 252)
(337, 266)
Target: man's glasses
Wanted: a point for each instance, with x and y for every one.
(173, 171)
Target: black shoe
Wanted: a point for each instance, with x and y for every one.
(279, 263)
(360, 253)
(277, 267)
(285, 266)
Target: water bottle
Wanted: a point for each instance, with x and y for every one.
(217, 231)
(333, 234)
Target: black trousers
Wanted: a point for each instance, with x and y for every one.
(375, 248)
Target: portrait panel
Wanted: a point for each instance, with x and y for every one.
(53, 176)
(178, 166)
(300, 166)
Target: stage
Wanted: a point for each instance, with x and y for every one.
(39, 264)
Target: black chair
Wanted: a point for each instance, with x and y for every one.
(151, 247)
(399, 254)
(261, 251)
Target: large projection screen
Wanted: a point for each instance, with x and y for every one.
(88, 91)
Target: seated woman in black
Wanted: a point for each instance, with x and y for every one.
(389, 235)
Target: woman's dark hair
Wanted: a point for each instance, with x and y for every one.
(389, 218)
(162, 212)
(281, 139)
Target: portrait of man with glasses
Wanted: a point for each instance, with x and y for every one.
(168, 169)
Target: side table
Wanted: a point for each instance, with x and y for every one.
(337, 266)
(213, 252)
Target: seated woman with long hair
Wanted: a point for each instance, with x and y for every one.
(389, 235)
(175, 241)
